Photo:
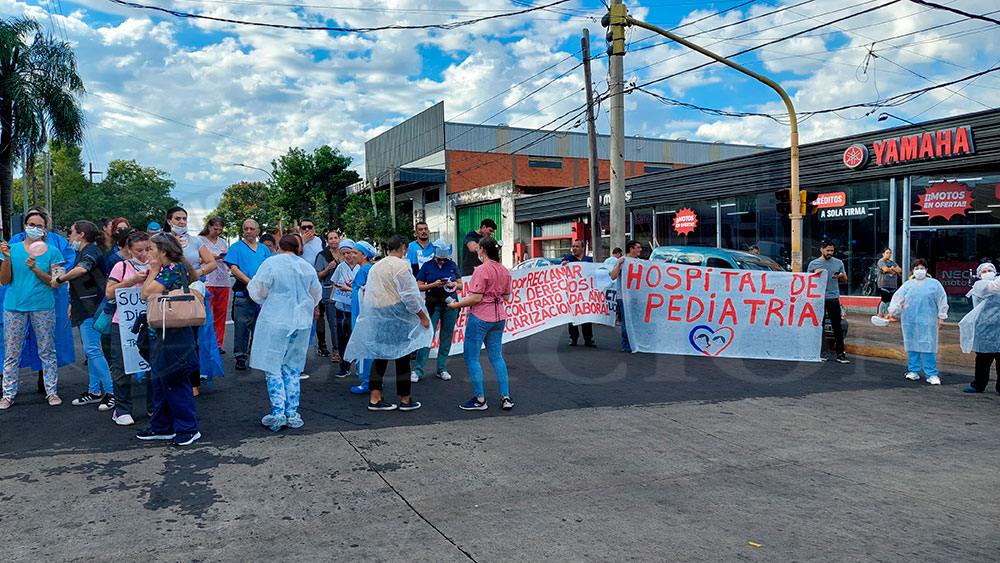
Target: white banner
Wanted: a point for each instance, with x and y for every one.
(691, 310)
(548, 297)
(130, 306)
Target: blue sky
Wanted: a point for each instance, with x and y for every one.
(194, 97)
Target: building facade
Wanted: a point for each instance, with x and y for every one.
(453, 175)
(930, 190)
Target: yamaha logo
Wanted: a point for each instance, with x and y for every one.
(856, 156)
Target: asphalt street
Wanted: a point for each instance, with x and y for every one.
(606, 457)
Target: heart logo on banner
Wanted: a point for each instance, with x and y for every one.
(709, 341)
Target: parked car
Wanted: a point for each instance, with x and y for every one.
(536, 263)
(714, 258)
(732, 259)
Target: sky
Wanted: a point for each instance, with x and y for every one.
(194, 97)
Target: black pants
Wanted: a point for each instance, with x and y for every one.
(321, 329)
(588, 332)
(984, 361)
(343, 337)
(402, 375)
(832, 307)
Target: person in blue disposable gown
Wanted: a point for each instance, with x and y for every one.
(922, 306)
(288, 290)
(364, 252)
(980, 329)
(65, 349)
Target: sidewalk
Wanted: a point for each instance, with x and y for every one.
(866, 339)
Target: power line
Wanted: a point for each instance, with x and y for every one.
(955, 11)
(445, 26)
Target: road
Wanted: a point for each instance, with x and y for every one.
(606, 457)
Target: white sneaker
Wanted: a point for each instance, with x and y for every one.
(934, 380)
(414, 378)
(912, 376)
(444, 375)
(303, 375)
(123, 420)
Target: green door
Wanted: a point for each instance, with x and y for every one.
(469, 219)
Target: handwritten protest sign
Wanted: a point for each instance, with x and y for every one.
(691, 310)
(544, 298)
(130, 306)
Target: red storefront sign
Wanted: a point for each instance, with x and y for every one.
(947, 142)
(945, 200)
(856, 156)
(835, 199)
(685, 221)
(956, 277)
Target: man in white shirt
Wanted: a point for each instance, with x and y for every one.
(311, 245)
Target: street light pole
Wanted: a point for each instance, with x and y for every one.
(796, 215)
(269, 175)
(616, 96)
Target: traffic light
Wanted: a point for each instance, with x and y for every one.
(614, 20)
(784, 203)
(806, 200)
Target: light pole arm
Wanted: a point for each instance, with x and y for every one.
(796, 214)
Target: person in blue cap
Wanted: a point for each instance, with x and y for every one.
(440, 279)
(153, 228)
(364, 254)
(342, 279)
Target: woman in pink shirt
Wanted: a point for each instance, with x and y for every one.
(489, 292)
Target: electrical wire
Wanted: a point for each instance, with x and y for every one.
(955, 11)
(445, 26)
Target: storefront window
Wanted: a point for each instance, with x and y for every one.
(642, 229)
(973, 205)
(702, 234)
(860, 239)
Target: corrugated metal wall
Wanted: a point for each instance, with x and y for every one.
(820, 164)
(415, 138)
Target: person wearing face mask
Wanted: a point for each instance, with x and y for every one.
(342, 278)
(440, 279)
(127, 273)
(204, 263)
(922, 305)
(980, 328)
(28, 274)
(364, 253)
(87, 281)
(218, 280)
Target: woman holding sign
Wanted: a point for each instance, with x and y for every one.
(489, 291)
(28, 269)
(922, 306)
(129, 273)
(174, 351)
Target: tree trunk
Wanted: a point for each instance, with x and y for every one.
(6, 164)
(32, 180)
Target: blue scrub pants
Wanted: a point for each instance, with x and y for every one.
(929, 362)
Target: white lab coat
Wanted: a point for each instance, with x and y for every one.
(920, 303)
(979, 329)
(287, 289)
(388, 326)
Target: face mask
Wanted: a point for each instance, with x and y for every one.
(179, 231)
(34, 233)
(988, 276)
(920, 274)
(139, 266)
(76, 244)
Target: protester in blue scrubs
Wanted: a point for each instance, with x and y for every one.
(420, 251)
(244, 258)
(365, 253)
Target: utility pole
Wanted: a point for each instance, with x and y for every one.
(616, 54)
(392, 196)
(93, 172)
(595, 205)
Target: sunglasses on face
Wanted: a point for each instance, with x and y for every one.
(307, 227)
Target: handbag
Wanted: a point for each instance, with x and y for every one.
(176, 308)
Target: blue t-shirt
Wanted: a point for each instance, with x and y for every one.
(570, 258)
(247, 260)
(26, 292)
(430, 272)
(360, 279)
(419, 256)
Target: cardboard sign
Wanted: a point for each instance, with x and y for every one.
(130, 306)
(691, 310)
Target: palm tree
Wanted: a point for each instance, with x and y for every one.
(39, 90)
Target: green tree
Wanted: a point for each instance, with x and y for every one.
(139, 193)
(360, 221)
(73, 197)
(248, 200)
(312, 185)
(39, 90)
